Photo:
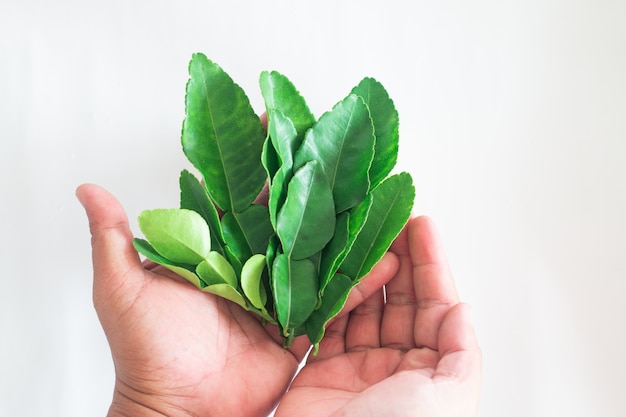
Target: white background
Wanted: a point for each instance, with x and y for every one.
(513, 125)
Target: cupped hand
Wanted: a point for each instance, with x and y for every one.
(408, 351)
(177, 350)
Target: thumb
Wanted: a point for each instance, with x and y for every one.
(116, 264)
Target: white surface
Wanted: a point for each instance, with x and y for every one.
(512, 124)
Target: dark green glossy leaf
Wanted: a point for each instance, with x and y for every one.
(215, 269)
(295, 287)
(143, 247)
(334, 252)
(280, 94)
(273, 250)
(343, 142)
(247, 232)
(233, 259)
(269, 158)
(333, 301)
(222, 136)
(306, 222)
(179, 235)
(392, 202)
(278, 193)
(284, 138)
(345, 234)
(193, 196)
(385, 119)
(331, 214)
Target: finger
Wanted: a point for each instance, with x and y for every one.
(363, 330)
(461, 358)
(398, 324)
(380, 275)
(334, 341)
(115, 261)
(435, 291)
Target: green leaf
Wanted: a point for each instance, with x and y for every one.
(385, 119)
(278, 193)
(283, 138)
(333, 301)
(233, 259)
(280, 94)
(295, 287)
(222, 136)
(251, 283)
(335, 251)
(269, 158)
(306, 222)
(215, 269)
(227, 292)
(179, 235)
(193, 196)
(247, 232)
(392, 202)
(343, 142)
(283, 135)
(273, 249)
(143, 247)
(345, 234)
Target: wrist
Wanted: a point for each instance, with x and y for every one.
(127, 403)
(123, 408)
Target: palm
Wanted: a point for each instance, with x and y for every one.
(198, 351)
(409, 351)
(361, 379)
(177, 350)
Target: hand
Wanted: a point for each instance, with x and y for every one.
(177, 350)
(414, 354)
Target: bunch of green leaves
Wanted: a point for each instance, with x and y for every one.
(333, 206)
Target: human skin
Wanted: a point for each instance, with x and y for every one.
(178, 351)
(409, 352)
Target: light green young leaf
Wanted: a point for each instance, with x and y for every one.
(179, 235)
(143, 247)
(215, 269)
(251, 283)
(343, 142)
(227, 292)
